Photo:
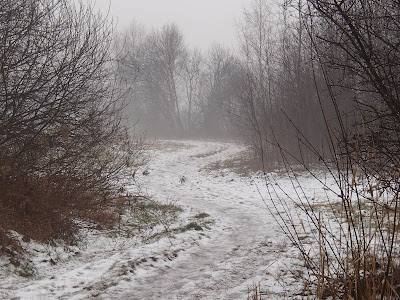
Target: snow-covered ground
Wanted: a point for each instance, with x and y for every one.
(237, 244)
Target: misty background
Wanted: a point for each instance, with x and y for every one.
(202, 22)
(218, 69)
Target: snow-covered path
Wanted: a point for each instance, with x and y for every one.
(240, 245)
(242, 248)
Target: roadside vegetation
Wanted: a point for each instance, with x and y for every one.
(342, 64)
(63, 146)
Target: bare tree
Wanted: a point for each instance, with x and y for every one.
(361, 38)
(129, 50)
(258, 50)
(354, 51)
(192, 75)
(277, 98)
(62, 147)
(164, 62)
(175, 91)
(221, 68)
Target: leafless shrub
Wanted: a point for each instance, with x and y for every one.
(275, 85)
(62, 146)
(357, 257)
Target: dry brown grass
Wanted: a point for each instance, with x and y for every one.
(244, 164)
(46, 210)
(254, 293)
(361, 259)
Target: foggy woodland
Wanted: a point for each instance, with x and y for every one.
(311, 83)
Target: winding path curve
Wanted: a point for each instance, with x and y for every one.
(243, 247)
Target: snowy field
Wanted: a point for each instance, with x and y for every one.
(223, 243)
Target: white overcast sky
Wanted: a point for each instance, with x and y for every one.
(201, 21)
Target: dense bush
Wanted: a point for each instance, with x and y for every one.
(62, 145)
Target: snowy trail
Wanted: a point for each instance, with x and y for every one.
(240, 246)
(241, 249)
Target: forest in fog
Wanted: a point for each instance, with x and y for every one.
(310, 84)
(267, 91)
(301, 68)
